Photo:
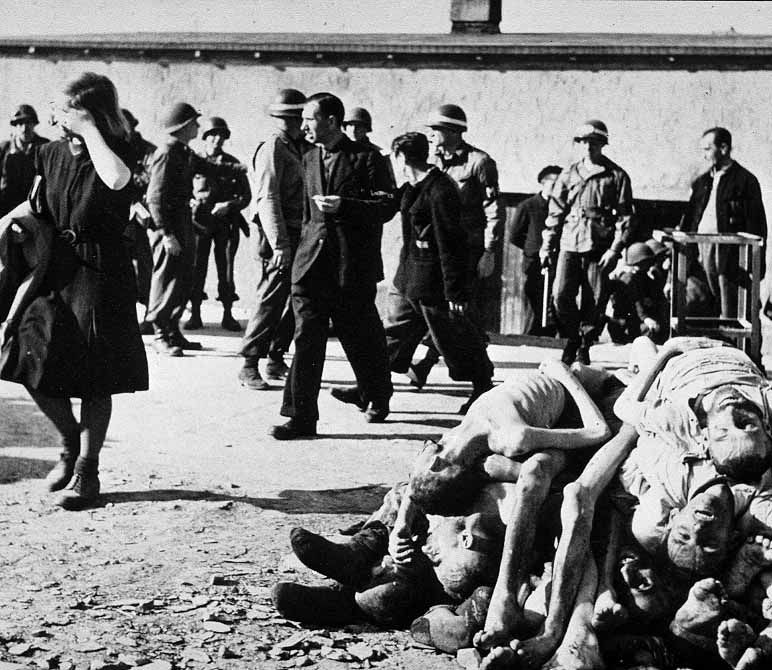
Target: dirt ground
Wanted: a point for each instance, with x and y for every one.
(174, 569)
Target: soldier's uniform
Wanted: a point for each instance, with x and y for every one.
(169, 193)
(590, 212)
(223, 231)
(17, 163)
(278, 182)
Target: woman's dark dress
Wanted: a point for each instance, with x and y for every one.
(97, 285)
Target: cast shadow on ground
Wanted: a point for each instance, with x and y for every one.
(15, 469)
(438, 423)
(372, 436)
(359, 500)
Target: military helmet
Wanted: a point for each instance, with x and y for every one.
(592, 130)
(359, 116)
(24, 113)
(178, 116)
(289, 102)
(215, 124)
(448, 117)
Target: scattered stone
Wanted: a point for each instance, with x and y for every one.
(292, 642)
(360, 651)
(257, 614)
(228, 504)
(198, 655)
(216, 627)
(132, 660)
(328, 664)
(57, 619)
(222, 580)
(90, 647)
(469, 659)
(103, 664)
(303, 661)
(21, 649)
(40, 632)
(158, 665)
(126, 641)
(4, 665)
(170, 639)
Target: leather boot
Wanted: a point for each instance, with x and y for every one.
(83, 489)
(194, 322)
(318, 605)
(350, 562)
(228, 322)
(62, 473)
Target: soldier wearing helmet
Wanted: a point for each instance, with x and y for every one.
(17, 158)
(278, 188)
(217, 204)
(482, 214)
(589, 221)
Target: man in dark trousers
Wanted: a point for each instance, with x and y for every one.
(725, 199)
(589, 224)
(278, 186)
(336, 268)
(17, 158)
(482, 213)
(431, 286)
(217, 204)
(168, 197)
(140, 220)
(526, 235)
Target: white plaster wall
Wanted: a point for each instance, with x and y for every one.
(525, 119)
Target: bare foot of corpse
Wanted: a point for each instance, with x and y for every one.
(733, 639)
(500, 658)
(503, 622)
(608, 613)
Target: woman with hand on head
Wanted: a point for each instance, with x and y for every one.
(79, 337)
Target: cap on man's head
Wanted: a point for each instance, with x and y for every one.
(130, 118)
(448, 117)
(24, 113)
(639, 253)
(288, 103)
(592, 130)
(178, 116)
(215, 124)
(548, 170)
(359, 116)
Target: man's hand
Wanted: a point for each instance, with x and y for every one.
(18, 234)
(401, 546)
(172, 245)
(486, 264)
(221, 209)
(457, 308)
(608, 260)
(651, 325)
(545, 258)
(281, 259)
(328, 204)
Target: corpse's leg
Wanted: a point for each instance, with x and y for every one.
(505, 615)
(609, 613)
(577, 514)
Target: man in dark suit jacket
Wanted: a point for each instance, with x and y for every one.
(336, 268)
(725, 199)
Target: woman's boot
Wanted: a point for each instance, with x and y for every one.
(62, 473)
(83, 489)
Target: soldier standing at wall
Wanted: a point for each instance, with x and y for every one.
(168, 197)
(482, 214)
(590, 220)
(217, 204)
(278, 181)
(526, 234)
(140, 220)
(17, 158)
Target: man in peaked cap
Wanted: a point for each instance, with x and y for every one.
(589, 220)
(17, 158)
(217, 204)
(278, 188)
(168, 196)
(482, 214)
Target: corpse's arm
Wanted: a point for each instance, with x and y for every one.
(401, 541)
(631, 404)
(515, 441)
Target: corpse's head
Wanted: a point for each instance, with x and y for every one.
(465, 552)
(737, 439)
(439, 486)
(646, 592)
(700, 534)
